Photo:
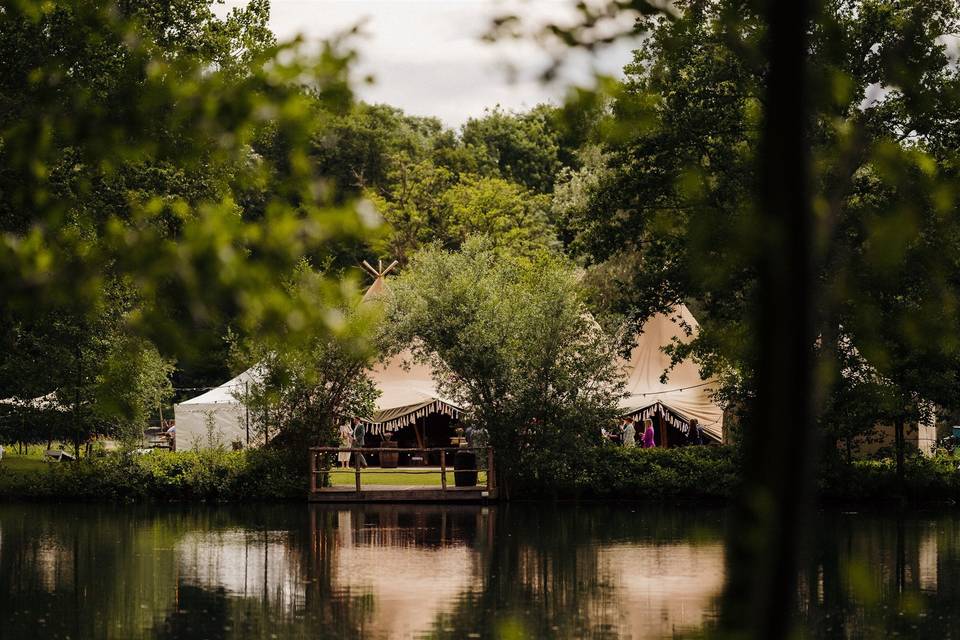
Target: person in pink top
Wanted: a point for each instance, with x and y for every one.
(648, 440)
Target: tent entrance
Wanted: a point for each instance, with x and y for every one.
(669, 427)
(666, 434)
(432, 430)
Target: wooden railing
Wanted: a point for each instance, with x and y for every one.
(319, 468)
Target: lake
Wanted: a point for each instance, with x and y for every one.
(510, 571)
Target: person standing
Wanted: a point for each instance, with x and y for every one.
(359, 435)
(346, 435)
(696, 433)
(649, 439)
(629, 434)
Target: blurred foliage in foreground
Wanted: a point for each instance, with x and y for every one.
(154, 184)
(669, 212)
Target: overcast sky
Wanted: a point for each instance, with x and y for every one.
(426, 56)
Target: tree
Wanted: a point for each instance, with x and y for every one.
(306, 386)
(107, 380)
(574, 191)
(677, 205)
(714, 191)
(522, 146)
(512, 339)
(430, 205)
(416, 211)
(510, 216)
(360, 147)
(127, 133)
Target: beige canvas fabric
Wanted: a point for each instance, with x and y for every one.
(408, 389)
(685, 394)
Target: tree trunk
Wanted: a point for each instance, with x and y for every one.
(76, 404)
(771, 512)
(899, 439)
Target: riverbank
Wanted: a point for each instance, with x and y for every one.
(212, 475)
(605, 473)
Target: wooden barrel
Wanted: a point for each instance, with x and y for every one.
(389, 459)
(465, 465)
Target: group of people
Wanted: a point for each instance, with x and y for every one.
(353, 436)
(628, 434)
(648, 437)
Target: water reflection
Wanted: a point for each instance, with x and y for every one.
(884, 574)
(444, 572)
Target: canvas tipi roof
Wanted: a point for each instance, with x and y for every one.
(227, 392)
(685, 394)
(408, 388)
(48, 402)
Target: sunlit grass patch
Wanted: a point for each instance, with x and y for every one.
(375, 476)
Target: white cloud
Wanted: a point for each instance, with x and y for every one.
(426, 56)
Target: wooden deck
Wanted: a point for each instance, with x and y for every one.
(375, 492)
(403, 493)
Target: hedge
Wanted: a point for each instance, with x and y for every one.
(605, 473)
(211, 475)
(611, 472)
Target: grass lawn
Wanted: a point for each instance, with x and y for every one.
(375, 475)
(14, 464)
(15, 467)
(26, 463)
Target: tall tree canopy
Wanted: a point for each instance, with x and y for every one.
(137, 190)
(676, 206)
(512, 339)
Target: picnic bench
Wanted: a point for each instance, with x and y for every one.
(57, 455)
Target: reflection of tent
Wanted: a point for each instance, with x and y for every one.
(664, 589)
(218, 408)
(408, 390)
(684, 395)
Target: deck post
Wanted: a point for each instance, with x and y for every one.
(443, 469)
(491, 481)
(313, 471)
(356, 464)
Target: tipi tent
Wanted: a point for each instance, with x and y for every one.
(48, 402)
(685, 394)
(408, 390)
(219, 409)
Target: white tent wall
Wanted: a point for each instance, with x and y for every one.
(685, 394)
(214, 417)
(200, 426)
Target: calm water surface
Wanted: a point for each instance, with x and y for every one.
(521, 571)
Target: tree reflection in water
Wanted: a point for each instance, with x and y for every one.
(444, 572)
(592, 573)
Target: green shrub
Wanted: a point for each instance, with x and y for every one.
(609, 471)
(926, 479)
(213, 475)
(602, 472)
